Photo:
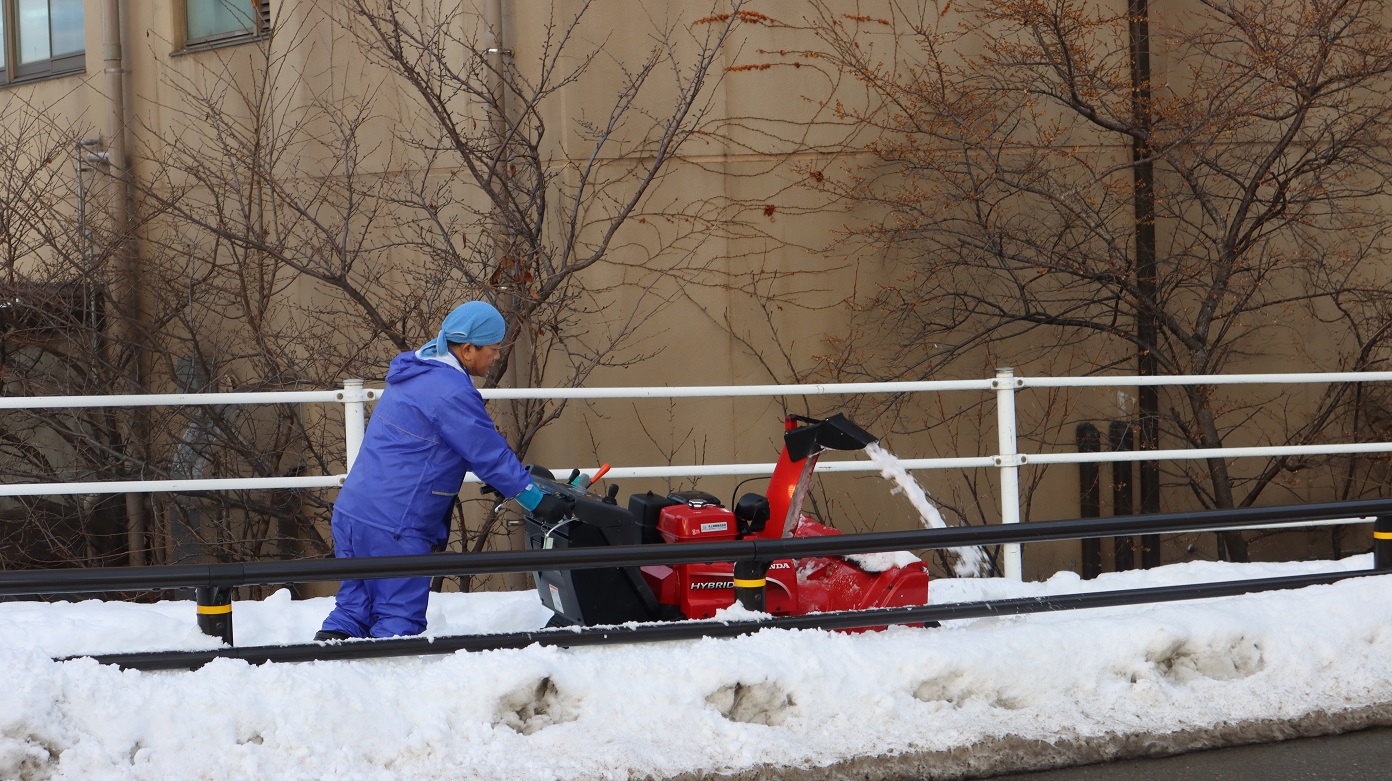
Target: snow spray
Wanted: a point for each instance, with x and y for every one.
(969, 561)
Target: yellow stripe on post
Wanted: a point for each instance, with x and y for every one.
(214, 605)
(1382, 535)
(750, 579)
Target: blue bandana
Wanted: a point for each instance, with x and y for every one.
(476, 323)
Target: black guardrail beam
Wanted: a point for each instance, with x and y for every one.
(67, 581)
(686, 630)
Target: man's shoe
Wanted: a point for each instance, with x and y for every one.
(330, 635)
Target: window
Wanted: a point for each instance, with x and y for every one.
(41, 38)
(215, 21)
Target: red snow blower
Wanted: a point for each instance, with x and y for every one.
(617, 595)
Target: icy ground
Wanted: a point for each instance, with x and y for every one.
(977, 689)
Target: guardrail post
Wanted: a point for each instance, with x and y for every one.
(1089, 439)
(1382, 543)
(750, 579)
(1120, 437)
(354, 420)
(215, 611)
(1090, 497)
(1009, 462)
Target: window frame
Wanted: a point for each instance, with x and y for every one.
(263, 28)
(12, 71)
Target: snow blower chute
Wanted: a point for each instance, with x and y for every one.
(815, 584)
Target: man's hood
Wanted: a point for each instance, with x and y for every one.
(408, 365)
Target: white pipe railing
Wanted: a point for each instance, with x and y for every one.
(169, 399)
(172, 486)
(690, 391)
(1294, 378)
(355, 398)
(1005, 385)
(1008, 460)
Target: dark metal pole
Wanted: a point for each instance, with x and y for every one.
(1089, 440)
(750, 579)
(1382, 543)
(1147, 269)
(1123, 492)
(215, 611)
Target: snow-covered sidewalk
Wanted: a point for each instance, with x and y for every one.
(999, 692)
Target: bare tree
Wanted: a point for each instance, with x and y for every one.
(292, 241)
(56, 339)
(561, 220)
(1003, 140)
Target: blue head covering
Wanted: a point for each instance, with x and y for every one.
(476, 323)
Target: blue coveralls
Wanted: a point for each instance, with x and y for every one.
(428, 430)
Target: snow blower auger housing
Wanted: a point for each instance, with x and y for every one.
(815, 584)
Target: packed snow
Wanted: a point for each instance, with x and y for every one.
(807, 699)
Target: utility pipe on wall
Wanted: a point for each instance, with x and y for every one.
(127, 287)
(113, 66)
(496, 53)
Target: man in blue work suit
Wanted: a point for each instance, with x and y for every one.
(428, 430)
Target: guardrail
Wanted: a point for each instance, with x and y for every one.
(223, 577)
(219, 579)
(1005, 385)
(230, 575)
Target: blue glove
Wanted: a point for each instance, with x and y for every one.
(530, 497)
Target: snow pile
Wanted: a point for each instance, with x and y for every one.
(882, 562)
(779, 698)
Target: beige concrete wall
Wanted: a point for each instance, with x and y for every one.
(730, 220)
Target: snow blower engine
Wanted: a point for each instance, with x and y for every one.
(615, 595)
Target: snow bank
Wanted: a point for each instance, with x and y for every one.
(779, 698)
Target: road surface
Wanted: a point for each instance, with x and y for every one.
(1354, 756)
